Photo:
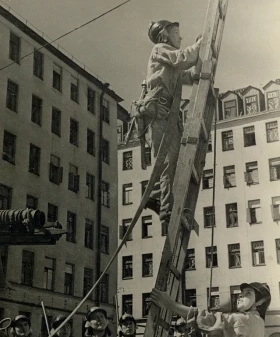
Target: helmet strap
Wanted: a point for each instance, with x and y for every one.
(260, 302)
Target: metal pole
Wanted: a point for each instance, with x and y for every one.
(99, 137)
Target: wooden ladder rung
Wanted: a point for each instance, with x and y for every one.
(175, 272)
(163, 324)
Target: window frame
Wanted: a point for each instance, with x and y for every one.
(38, 64)
(234, 254)
(227, 141)
(190, 259)
(56, 121)
(231, 210)
(12, 95)
(71, 227)
(249, 136)
(127, 267)
(127, 190)
(206, 216)
(14, 47)
(34, 159)
(9, 147)
(254, 264)
(208, 257)
(147, 265)
(89, 234)
(127, 160)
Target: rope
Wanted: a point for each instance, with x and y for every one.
(67, 33)
(213, 210)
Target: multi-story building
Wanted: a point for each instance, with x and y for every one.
(247, 211)
(49, 138)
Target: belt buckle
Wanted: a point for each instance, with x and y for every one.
(162, 100)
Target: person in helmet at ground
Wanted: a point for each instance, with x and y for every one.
(168, 70)
(248, 321)
(127, 325)
(97, 322)
(65, 331)
(21, 326)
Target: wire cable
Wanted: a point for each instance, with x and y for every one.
(66, 34)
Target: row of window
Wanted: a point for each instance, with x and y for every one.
(36, 117)
(38, 71)
(234, 255)
(249, 136)
(234, 259)
(56, 170)
(51, 272)
(253, 214)
(52, 216)
(146, 228)
(127, 304)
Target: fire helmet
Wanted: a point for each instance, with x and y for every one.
(127, 317)
(156, 28)
(262, 291)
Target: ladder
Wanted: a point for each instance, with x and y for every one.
(194, 144)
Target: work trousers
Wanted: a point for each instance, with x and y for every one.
(166, 180)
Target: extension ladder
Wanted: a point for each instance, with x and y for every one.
(189, 170)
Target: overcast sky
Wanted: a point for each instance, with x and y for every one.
(116, 47)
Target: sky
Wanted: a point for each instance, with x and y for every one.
(116, 47)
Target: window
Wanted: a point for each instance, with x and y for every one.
(214, 298)
(273, 100)
(231, 215)
(57, 76)
(90, 142)
(275, 208)
(88, 280)
(71, 227)
(252, 173)
(34, 159)
(227, 141)
(91, 101)
(38, 64)
(27, 268)
(127, 194)
(164, 228)
(234, 259)
(146, 226)
(104, 289)
(208, 257)
(127, 267)
(144, 184)
(56, 121)
(190, 296)
(209, 146)
(56, 171)
(272, 132)
(254, 212)
(12, 96)
(147, 265)
(249, 136)
(146, 302)
(36, 110)
(148, 156)
(14, 52)
(229, 176)
(74, 132)
(104, 238)
(90, 186)
(4, 261)
(123, 229)
(190, 259)
(277, 242)
(274, 168)
(251, 105)
(74, 92)
(105, 194)
(127, 304)
(69, 279)
(119, 134)
(105, 151)
(106, 111)
(209, 216)
(49, 273)
(207, 181)
(5, 197)
(127, 161)
(258, 253)
(73, 178)
(89, 233)
(234, 295)
(31, 202)
(52, 213)
(9, 147)
(230, 109)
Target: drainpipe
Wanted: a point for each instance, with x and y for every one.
(99, 136)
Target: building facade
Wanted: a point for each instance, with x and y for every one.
(49, 137)
(246, 231)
